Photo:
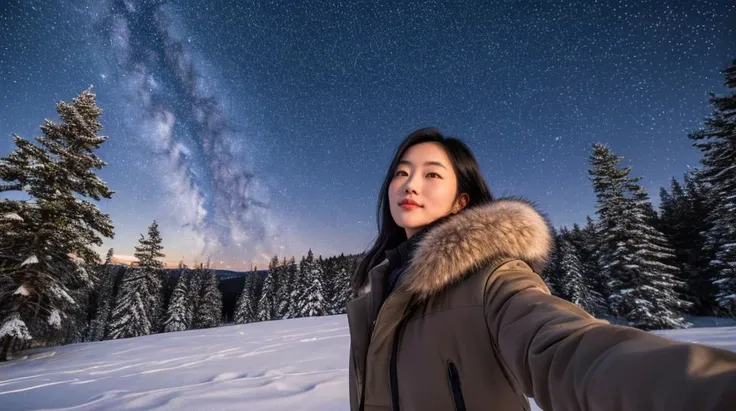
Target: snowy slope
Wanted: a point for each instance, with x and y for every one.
(298, 364)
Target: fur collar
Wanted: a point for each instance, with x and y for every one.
(504, 228)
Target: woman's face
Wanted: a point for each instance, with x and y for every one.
(424, 174)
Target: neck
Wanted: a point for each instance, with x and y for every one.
(411, 232)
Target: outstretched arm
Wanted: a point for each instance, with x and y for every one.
(568, 360)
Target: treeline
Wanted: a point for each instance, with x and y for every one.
(131, 301)
(314, 287)
(650, 267)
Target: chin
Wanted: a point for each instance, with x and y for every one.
(410, 223)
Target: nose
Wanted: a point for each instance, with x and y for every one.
(409, 187)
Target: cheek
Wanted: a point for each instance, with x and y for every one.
(392, 189)
(441, 194)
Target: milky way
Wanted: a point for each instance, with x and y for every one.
(223, 203)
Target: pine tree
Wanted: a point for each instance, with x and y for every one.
(591, 253)
(314, 303)
(288, 277)
(133, 315)
(258, 282)
(108, 257)
(246, 310)
(585, 242)
(574, 285)
(42, 235)
(717, 141)
(149, 248)
(179, 313)
(683, 216)
(696, 263)
(268, 308)
(329, 283)
(345, 291)
(635, 256)
(195, 290)
(209, 310)
(107, 288)
(302, 286)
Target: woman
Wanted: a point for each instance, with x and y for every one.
(451, 313)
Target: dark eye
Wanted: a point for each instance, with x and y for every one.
(434, 174)
(400, 171)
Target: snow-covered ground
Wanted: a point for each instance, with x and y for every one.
(298, 364)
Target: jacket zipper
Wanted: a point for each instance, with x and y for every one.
(457, 392)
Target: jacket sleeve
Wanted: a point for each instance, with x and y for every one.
(568, 360)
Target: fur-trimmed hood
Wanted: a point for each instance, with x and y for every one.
(504, 228)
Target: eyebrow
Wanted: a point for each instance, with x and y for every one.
(426, 163)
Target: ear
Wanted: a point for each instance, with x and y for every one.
(461, 203)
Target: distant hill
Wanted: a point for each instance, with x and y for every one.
(222, 274)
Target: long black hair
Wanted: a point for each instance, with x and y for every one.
(469, 181)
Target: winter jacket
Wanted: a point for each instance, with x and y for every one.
(470, 325)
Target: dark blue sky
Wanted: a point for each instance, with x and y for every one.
(248, 130)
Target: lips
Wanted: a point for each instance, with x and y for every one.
(409, 201)
(408, 204)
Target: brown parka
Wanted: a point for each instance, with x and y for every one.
(471, 326)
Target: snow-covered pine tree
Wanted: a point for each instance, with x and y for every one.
(247, 306)
(108, 285)
(717, 141)
(288, 277)
(326, 279)
(149, 248)
(299, 290)
(278, 292)
(331, 284)
(591, 254)
(635, 256)
(147, 252)
(267, 306)
(195, 289)
(658, 260)
(608, 185)
(682, 221)
(314, 303)
(178, 313)
(257, 289)
(97, 273)
(209, 309)
(40, 235)
(586, 244)
(156, 278)
(344, 290)
(697, 262)
(574, 285)
(168, 283)
(133, 312)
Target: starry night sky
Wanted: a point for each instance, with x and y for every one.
(248, 130)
